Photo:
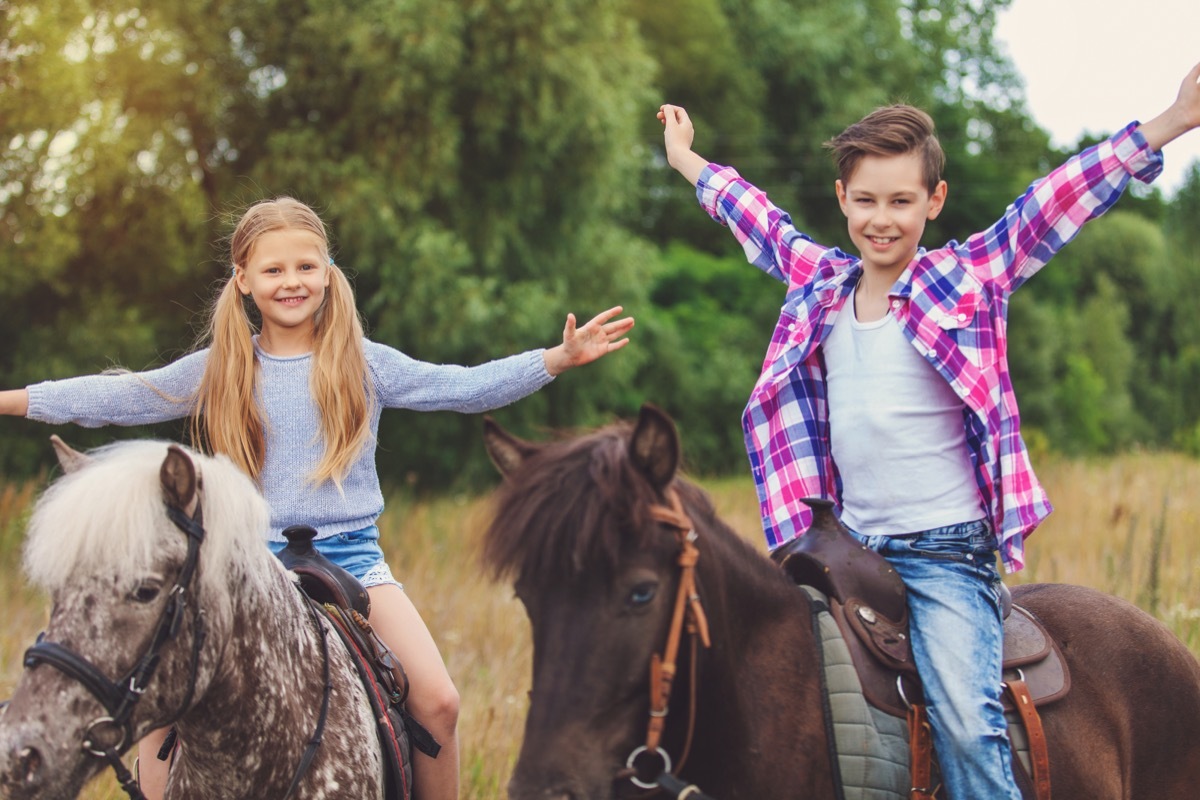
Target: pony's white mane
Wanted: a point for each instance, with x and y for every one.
(110, 517)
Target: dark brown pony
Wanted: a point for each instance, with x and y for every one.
(598, 572)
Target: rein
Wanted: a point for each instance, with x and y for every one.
(120, 697)
(688, 609)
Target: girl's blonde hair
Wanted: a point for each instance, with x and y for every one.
(228, 417)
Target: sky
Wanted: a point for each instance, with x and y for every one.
(1094, 65)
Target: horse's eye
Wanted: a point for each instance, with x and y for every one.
(643, 593)
(146, 592)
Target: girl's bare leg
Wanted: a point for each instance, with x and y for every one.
(152, 773)
(433, 699)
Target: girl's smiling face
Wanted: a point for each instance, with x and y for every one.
(286, 275)
(887, 204)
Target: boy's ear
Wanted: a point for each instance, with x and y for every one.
(938, 199)
(840, 189)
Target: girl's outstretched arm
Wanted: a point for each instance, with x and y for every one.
(585, 344)
(14, 402)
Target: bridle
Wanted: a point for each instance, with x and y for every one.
(120, 697)
(688, 609)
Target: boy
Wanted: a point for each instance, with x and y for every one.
(886, 386)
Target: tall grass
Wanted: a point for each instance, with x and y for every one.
(1129, 526)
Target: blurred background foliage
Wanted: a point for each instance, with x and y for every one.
(486, 166)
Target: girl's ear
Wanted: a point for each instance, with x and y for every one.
(239, 277)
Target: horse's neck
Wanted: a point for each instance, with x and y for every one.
(269, 669)
(764, 660)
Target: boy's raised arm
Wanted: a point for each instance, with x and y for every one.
(678, 135)
(1180, 117)
(14, 402)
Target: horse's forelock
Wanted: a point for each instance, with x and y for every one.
(109, 517)
(567, 508)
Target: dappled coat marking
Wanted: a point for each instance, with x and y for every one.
(101, 545)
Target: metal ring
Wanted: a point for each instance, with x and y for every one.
(89, 746)
(662, 754)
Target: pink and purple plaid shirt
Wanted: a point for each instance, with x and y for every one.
(951, 303)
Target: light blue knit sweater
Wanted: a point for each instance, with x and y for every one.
(293, 426)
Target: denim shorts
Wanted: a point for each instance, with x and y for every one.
(357, 552)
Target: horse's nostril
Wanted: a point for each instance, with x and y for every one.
(29, 762)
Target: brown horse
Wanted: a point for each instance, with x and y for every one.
(579, 525)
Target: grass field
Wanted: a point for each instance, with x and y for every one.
(1129, 526)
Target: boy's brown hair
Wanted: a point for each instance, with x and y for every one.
(890, 131)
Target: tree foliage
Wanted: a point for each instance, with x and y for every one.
(486, 166)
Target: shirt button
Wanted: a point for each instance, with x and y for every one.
(895, 304)
(962, 317)
(792, 326)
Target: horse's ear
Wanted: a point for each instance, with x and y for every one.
(70, 459)
(506, 451)
(179, 482)
(654, 446)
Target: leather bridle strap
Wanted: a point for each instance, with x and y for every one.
(120, 697)
(687, 608)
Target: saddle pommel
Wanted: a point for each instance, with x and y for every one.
(320, 578)
(828, 558)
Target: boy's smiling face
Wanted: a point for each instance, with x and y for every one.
(887, 204)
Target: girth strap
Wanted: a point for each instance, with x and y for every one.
(1039, 758)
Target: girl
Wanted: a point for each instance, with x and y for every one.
(296, 405)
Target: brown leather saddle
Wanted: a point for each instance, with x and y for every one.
(868, 601)
(340, 596)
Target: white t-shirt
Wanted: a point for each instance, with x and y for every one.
(897, 432)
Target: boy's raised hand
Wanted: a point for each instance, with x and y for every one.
(678, 135)
(1182, 116)
(583, 345)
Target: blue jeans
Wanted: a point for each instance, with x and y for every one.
(957, 642)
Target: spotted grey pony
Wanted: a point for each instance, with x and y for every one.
(145, 547)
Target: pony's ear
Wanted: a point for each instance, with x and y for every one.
(70, 459)
(506, 451)
(178, 478)
(654, 446)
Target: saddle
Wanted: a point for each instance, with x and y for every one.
(339, 596)
(868, 600)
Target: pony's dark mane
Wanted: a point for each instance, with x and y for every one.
(574, 504)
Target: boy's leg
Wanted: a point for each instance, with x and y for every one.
(957, 640)
(433, 700)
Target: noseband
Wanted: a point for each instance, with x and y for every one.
(662, 667)
(120, 697)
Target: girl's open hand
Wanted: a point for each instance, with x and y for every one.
(582, 345)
